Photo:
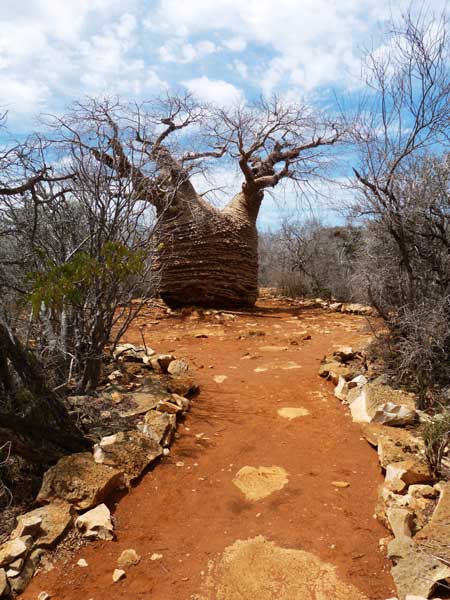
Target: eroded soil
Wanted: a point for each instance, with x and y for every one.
(188, 513)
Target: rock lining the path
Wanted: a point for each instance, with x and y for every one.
(96, 524)
(419, 549)
(84, 481)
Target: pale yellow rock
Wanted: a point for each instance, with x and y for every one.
(128, 558)
(96, 523)
(340, 484)
(416, 570)
(290, 412)
(260, 482)
(118, 575)
(128, 451)
(82, 563)
(159, 426)
(220, 378)
(54, 519)
(380, 403)
(14, 549)
(178, 367)
(79, 480)
(4, 585)
(435, 535)
(257, 569)
(400, 521)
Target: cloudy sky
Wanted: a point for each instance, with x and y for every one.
(55, 51)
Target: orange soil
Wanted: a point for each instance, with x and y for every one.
(191, 513)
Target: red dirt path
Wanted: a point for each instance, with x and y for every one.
(191, 513)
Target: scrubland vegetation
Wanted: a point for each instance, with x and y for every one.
(87, 206)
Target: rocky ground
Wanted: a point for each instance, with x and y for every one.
(270, 489)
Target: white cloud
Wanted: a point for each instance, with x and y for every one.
(241, 68)
(178, 51)
(313, 42)
(214, 90)
(235, 44)
(53, 52)
(25, 96)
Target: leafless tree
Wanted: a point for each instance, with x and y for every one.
(402, 137)
(204, 255)
(28, 407)
(310, 259)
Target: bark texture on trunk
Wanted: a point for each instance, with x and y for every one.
(208, 257)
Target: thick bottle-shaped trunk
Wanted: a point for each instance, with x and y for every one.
(207, 257)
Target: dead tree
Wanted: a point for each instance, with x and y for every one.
(204, 256)
(31, 415)
(403, 181)
(404, 119)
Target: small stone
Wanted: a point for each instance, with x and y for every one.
(182, 384)
(379, 403)
(164, 361)
(30, 525)
(118, 575)
(44, 596)
(168, 407)
(82, 562)
(220, 378)
(96, 523)
(159, 426)
(181, 401)
(156, 556)
(340, 484)
(116, 397)
(15, 568)
(14, 549)
(128, 558)
(178, 367)
(4, 585)
(400, 521)
(115, 375)
(341, 390)
(20, 583)
(54, 519)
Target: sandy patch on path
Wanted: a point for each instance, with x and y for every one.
(258, 569)
(285, 366)
(273, 348)
(257, 483)
(290, 412)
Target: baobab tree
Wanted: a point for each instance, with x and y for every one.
(203, 255)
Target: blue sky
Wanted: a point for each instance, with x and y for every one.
(55, 51)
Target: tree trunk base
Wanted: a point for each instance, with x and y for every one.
(208, 259)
